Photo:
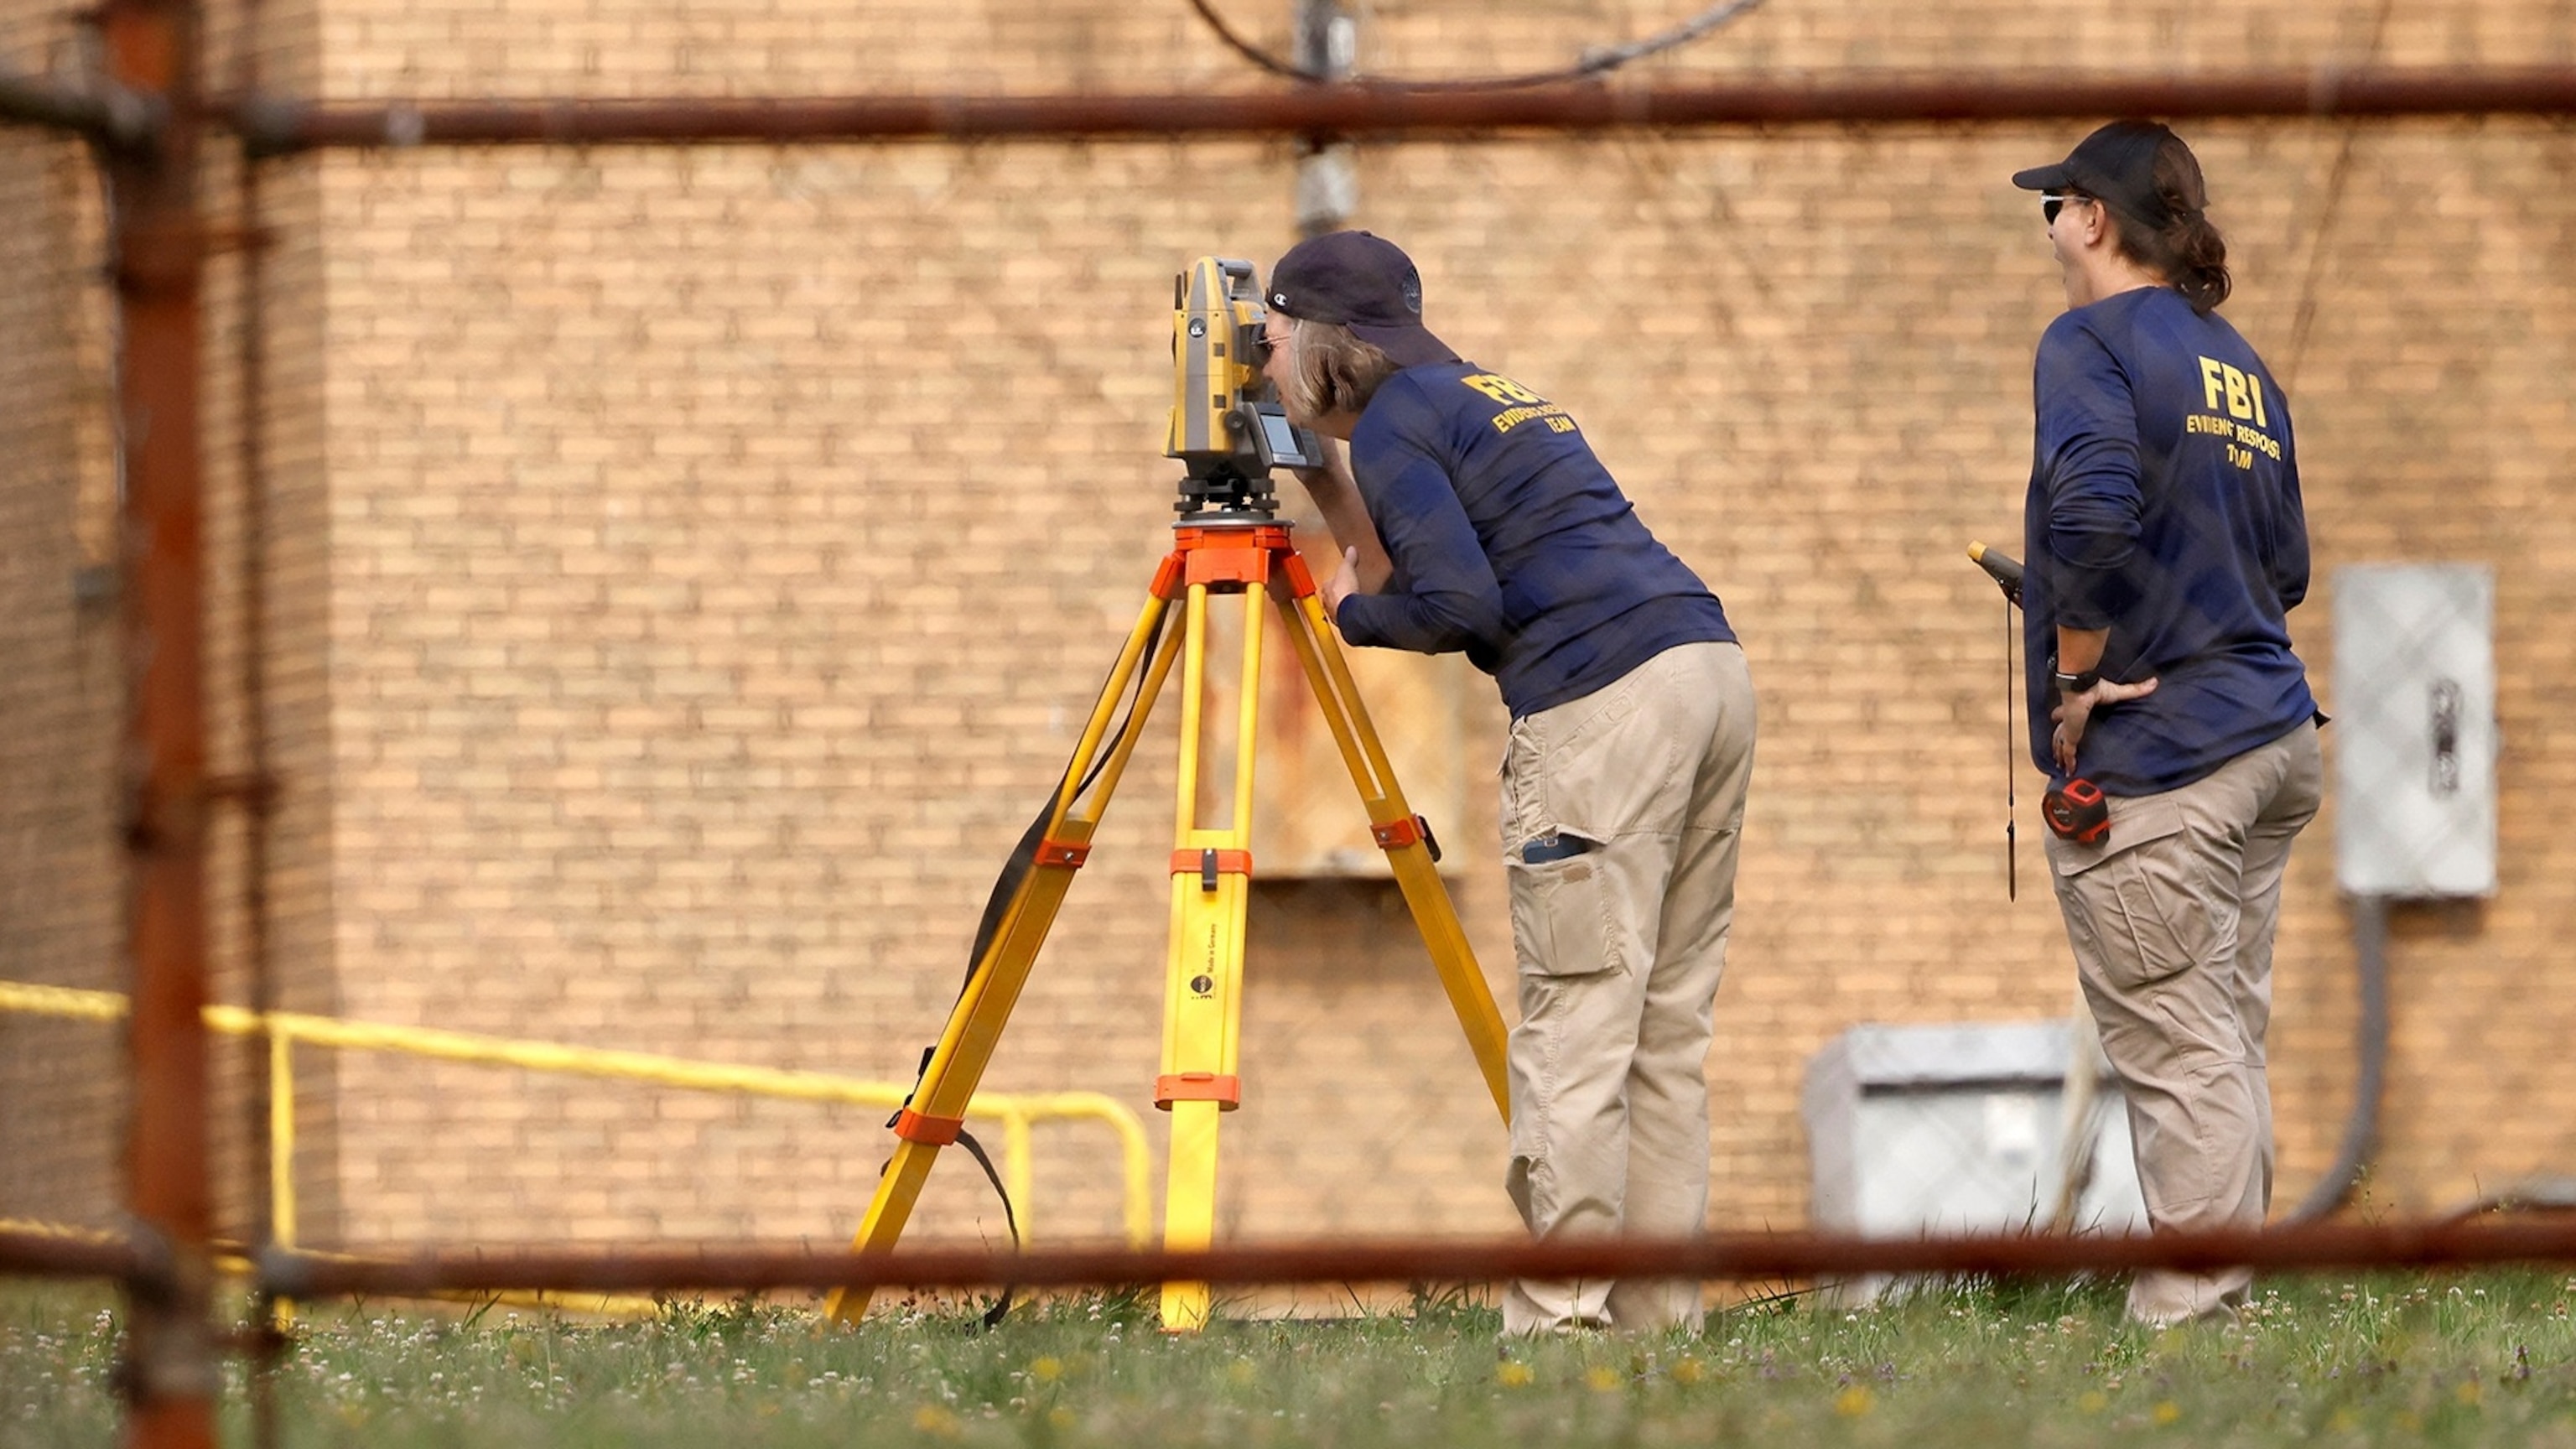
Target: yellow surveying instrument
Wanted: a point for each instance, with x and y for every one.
(1229, 431)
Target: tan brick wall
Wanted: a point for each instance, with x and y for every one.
(705, 558)
(62, 709)
(61, 1119)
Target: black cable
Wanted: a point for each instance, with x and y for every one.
(1595, 62)
(2012, 850)
(2370, 951)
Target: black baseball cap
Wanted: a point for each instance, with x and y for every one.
(1367, 284)
(2116, 164)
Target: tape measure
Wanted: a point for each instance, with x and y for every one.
(2077, 811)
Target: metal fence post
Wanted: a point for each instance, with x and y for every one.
(170, 1376)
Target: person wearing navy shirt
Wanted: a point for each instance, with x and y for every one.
(2166, 547)
(1476, 519)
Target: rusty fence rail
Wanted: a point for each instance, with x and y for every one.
(32, 1252)
(276, 126)
(1740, 1257)
(270, 124)
(1725, 1256)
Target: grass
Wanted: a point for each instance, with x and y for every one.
(2448, 1359)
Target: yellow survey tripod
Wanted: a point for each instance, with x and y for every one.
(1233, 551)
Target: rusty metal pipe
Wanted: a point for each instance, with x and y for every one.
(169, 1374)
(1362, 110)
(55, 1255)
(109, 113)
(1734, 1256)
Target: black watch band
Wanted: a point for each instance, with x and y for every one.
(2069, 685)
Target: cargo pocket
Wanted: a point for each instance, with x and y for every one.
(1561, 907)
(2135, 896)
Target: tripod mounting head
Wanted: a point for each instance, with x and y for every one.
(1228, 428)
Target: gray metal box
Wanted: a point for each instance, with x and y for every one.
(1921, 1130)
(2414, 734)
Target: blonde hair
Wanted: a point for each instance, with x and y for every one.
(1332, 369)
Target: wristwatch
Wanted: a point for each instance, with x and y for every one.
(2070, 685)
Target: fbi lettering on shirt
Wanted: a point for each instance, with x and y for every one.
(1520, 405)
(2234, 399)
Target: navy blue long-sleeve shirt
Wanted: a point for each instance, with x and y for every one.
(1511, 542)
(2164, 507)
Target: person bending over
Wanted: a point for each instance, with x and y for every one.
(1477, 520)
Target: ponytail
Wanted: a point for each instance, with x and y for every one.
(2187, 251)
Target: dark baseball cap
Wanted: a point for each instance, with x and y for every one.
(2116, 164)
(1364, 282)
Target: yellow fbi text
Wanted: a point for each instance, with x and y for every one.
(2241, 395)
(1525, 406)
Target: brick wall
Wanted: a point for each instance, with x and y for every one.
(59, 717)
(704, 560)
(61, 1112)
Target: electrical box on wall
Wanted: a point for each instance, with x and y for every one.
(2415, 730)
(1960, 1127)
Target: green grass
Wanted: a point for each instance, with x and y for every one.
(2484, 1359)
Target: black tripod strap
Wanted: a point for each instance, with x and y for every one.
(1015, 870)
(1002, 1305)
(997, 908)
(1006, 889)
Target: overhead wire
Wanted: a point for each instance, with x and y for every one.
(2304, 315)
(1596, 61)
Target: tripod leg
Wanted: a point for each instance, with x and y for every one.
(1398, 830)
(947, 1085)
(1202, 1002)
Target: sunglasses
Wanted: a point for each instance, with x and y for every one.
(2049, 206)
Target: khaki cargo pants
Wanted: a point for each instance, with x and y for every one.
(2171, 921)
(1637, 792)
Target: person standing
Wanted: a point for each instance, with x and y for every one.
(2167, 545)
(1478, 519)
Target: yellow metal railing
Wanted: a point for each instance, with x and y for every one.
(1017, 1113)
